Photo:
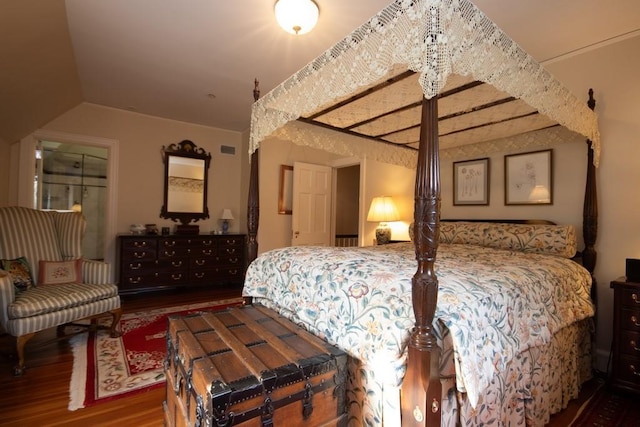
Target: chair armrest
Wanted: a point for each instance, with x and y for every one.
(96, 272)
(7, 296)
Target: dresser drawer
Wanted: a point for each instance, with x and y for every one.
(140, 279)
(630, 319)
(631, 299)
(231, 241)
(138, 265)
(630, 344)
(629, 370)
(139, 243)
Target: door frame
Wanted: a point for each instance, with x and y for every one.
(24, 169)
(343, 163)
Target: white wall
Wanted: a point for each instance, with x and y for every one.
(140, 167)
(612, 72)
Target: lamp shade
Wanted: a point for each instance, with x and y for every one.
(226, 214)
(383, 210)
(296, 16)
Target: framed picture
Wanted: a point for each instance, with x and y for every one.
(285, 195)
(528, 178)
(471, 182)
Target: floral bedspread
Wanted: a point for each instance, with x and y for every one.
(494, 303)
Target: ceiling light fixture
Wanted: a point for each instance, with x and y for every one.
(297, 16)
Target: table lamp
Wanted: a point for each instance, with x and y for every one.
(383, 210)
(226, 217)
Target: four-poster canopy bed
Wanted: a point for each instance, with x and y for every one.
(436, 76)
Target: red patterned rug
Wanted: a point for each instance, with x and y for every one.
(106, 368)
(607, 409)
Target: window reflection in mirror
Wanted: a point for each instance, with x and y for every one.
(185, 191)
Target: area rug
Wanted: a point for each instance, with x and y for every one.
(106, 368)
(607, 409)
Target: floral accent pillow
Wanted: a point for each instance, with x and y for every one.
(20, 272)
(59, 272)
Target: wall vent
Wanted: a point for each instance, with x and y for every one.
(227, 149)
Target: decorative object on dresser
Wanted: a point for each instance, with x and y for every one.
(152, 262)
(226, 217)
(185, 185)
(275, 372)
(625, 374)
(632, 270)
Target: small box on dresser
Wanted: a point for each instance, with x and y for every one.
(150, 262)
(625, 374)
(248, 366)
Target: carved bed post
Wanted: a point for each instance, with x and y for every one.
(590, 213)
(421, 388)
(253, 206)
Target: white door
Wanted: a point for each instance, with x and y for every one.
(311, 216)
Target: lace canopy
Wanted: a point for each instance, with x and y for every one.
(371, 84)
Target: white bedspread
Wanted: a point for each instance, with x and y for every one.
(495, 303)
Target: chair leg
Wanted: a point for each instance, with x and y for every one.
(18, 370)
(115, 324)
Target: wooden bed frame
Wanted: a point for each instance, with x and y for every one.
(421, 388)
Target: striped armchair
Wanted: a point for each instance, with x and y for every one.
(54, 237)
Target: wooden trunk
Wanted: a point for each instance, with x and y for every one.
(248, 366)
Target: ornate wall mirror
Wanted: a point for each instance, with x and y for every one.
(185, 185)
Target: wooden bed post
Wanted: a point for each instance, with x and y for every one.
(253, 206)
(421, 387)
(590, 214)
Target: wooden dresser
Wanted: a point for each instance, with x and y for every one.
(626, 335)
(151, 262)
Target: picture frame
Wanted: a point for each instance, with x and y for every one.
(285, 194)
(528, 178)
(471, 182)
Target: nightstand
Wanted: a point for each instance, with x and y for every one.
(626, 335)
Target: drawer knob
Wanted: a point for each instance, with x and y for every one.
(139, 254)
(634, 320)
(176, 276)
(200, 262)
(633, 345)
(167, 253)
(200, 275)
(231, 250)
(140, 244)
(135, 280)
(135, 266)
(633, 370)
(176, 263)
(207, 242)
(170, 243)
(635, 298)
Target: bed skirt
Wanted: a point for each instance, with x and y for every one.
(536, 384)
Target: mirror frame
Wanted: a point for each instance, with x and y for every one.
(186, 149)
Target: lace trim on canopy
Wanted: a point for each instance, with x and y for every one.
(435, 38)
(307, 135)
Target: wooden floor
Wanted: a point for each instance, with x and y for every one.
(41, 396)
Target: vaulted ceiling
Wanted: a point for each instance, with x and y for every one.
(196, 60)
